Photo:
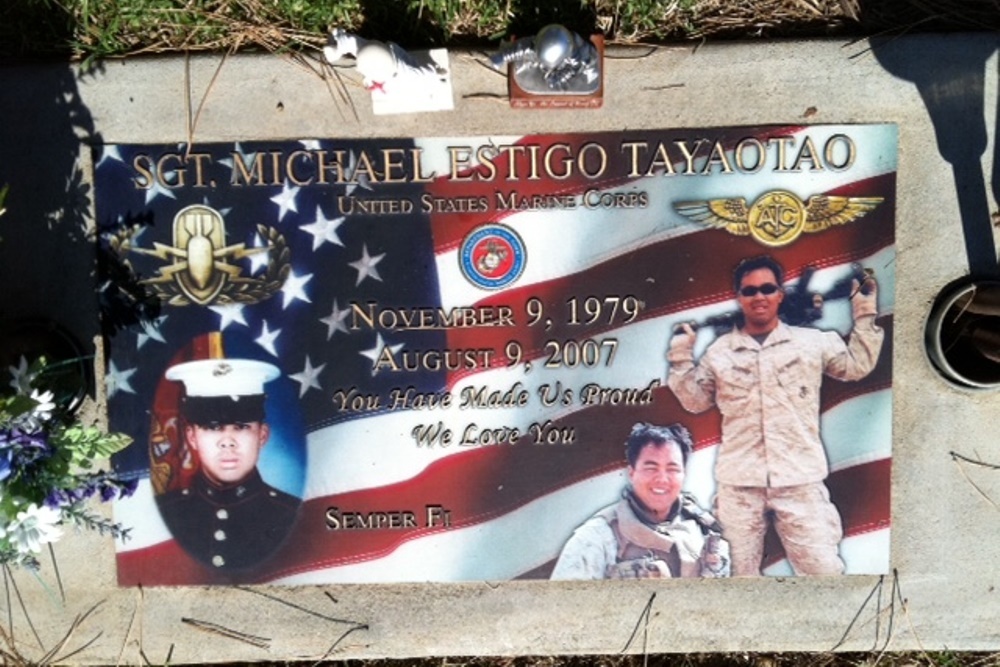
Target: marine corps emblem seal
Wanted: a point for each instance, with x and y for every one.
(492, 256)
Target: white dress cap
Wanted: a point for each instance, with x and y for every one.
(223, 377)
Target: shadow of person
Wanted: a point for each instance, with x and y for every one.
(399, 22)
(46, 253)
(949, 73)
(47, 239)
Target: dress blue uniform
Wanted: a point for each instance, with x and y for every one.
(230, 528)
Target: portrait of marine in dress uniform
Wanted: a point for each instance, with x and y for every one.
(228, 517)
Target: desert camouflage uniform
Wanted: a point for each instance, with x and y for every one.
(616, 544)
(771, 456)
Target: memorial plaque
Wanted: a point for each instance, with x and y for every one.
(401, 360)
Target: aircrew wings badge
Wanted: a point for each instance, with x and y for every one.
(777, 217)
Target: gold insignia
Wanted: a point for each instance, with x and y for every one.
(159, 476)
(778, 217)
(200, 269)
(160, 438)
(222, 368)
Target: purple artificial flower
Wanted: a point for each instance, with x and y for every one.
(108, 492)
(128, 487)
(56, 498)
(24, 440)
(20, 451)
(5, 460)
(6, 454)
(23, 449)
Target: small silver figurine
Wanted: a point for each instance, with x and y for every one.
(398, 81)
(556, 60)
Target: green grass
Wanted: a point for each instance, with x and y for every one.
(107, 28)
(94, 29)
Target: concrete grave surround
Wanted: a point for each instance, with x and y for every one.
(942, 93)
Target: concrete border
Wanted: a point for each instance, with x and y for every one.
(942, 593)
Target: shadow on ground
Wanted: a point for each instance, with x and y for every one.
(47, 254)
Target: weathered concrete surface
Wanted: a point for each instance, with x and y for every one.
(940, 90)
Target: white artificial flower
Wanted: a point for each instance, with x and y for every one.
(34, 527)
(33, 421)
(45, 405)
(20, 377)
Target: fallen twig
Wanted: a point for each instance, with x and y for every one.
(215, 628)
(644, 616)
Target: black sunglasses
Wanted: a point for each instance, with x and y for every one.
(767, 289)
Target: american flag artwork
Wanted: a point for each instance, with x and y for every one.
(467, 328)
